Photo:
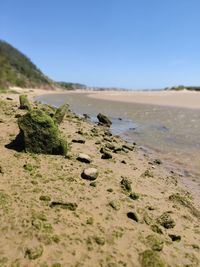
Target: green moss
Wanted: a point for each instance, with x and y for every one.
(34, 253)
(115, 204)
(126, 185)
(60, 113)
(166, 220)
(155, 242)
(24, 103)
(40, 134)
(150, 258)
(184, 201)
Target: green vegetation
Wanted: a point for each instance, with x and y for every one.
(18, 70)
(182, 87)
(71, 86)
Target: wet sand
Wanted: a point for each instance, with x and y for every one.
(185, 99)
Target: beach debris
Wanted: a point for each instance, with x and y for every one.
(133, 216)
(24, 103)
(126, 184)
(150, 258)
(155, 242)
(64, 205)
(166, 220)
(103, 119)
(84, 158)
(115, 204)
(40, 134)
(175, 237)
(34, 252)
(90, 174)
(60, 113)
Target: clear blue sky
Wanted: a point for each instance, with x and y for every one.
(122, 43)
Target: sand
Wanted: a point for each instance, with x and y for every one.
(185, 99)
(98, 232)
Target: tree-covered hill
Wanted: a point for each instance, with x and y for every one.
(17, 70)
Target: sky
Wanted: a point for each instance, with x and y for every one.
(135, 44)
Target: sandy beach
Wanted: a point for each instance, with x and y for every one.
(185, 99)
(134, 214)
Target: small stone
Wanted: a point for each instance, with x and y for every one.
(1, 170)
(150, 258)
(84, 158)
(157, 161)
(90, 174)
(68, 205)
(175, 238)
(106, 155)
(110, 190)
(34, 253)
(155, 228)
(45, 198)
(134, 196)
(123, 161)
(128, 147)
(79, 141)
(126, 184)
(115, 204)
(133, 216)
(166, 221)
(93, 184)
(100, 240)
(90, 221)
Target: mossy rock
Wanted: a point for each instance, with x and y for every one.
(60, 113)
(24, 103)
(155, 242)
(166, 221)
(34, 253)
(150, 258)
(40, 134)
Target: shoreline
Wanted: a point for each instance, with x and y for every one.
(99, 232)
(183, 99)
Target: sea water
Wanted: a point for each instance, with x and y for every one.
(170, 133)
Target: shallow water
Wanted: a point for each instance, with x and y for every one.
(171, 133)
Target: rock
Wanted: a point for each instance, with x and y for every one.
(40, 134)
(34, 252)
(157, 161)
(155, 228)
(79, 141)
(175, 237)
(115, 204)
(105, 154)
(45, 198)
(1, 170)
(93, 184)
(60, 113)
(104, 119)
(67, 205)
(123, 161)
(133, 216)
(9, 98)
(155, 242)
(150, 258)
(84, 158)
(24, 103)
(86, 116)
(90, 174)
(100, 240)
(126, 185)
(134, 196)
(128, 147)
(166, 221)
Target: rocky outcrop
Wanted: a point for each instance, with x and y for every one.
(103, 119)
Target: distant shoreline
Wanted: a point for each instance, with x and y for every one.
(184, 99)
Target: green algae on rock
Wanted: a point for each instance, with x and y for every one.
(155, 242)
(34, 253)
(24, 103)
(166, 221)
(150, 258)
(104, 119)
(40, 134)
(60, 113)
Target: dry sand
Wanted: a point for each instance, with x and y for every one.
(95, 233)
(185, 99)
